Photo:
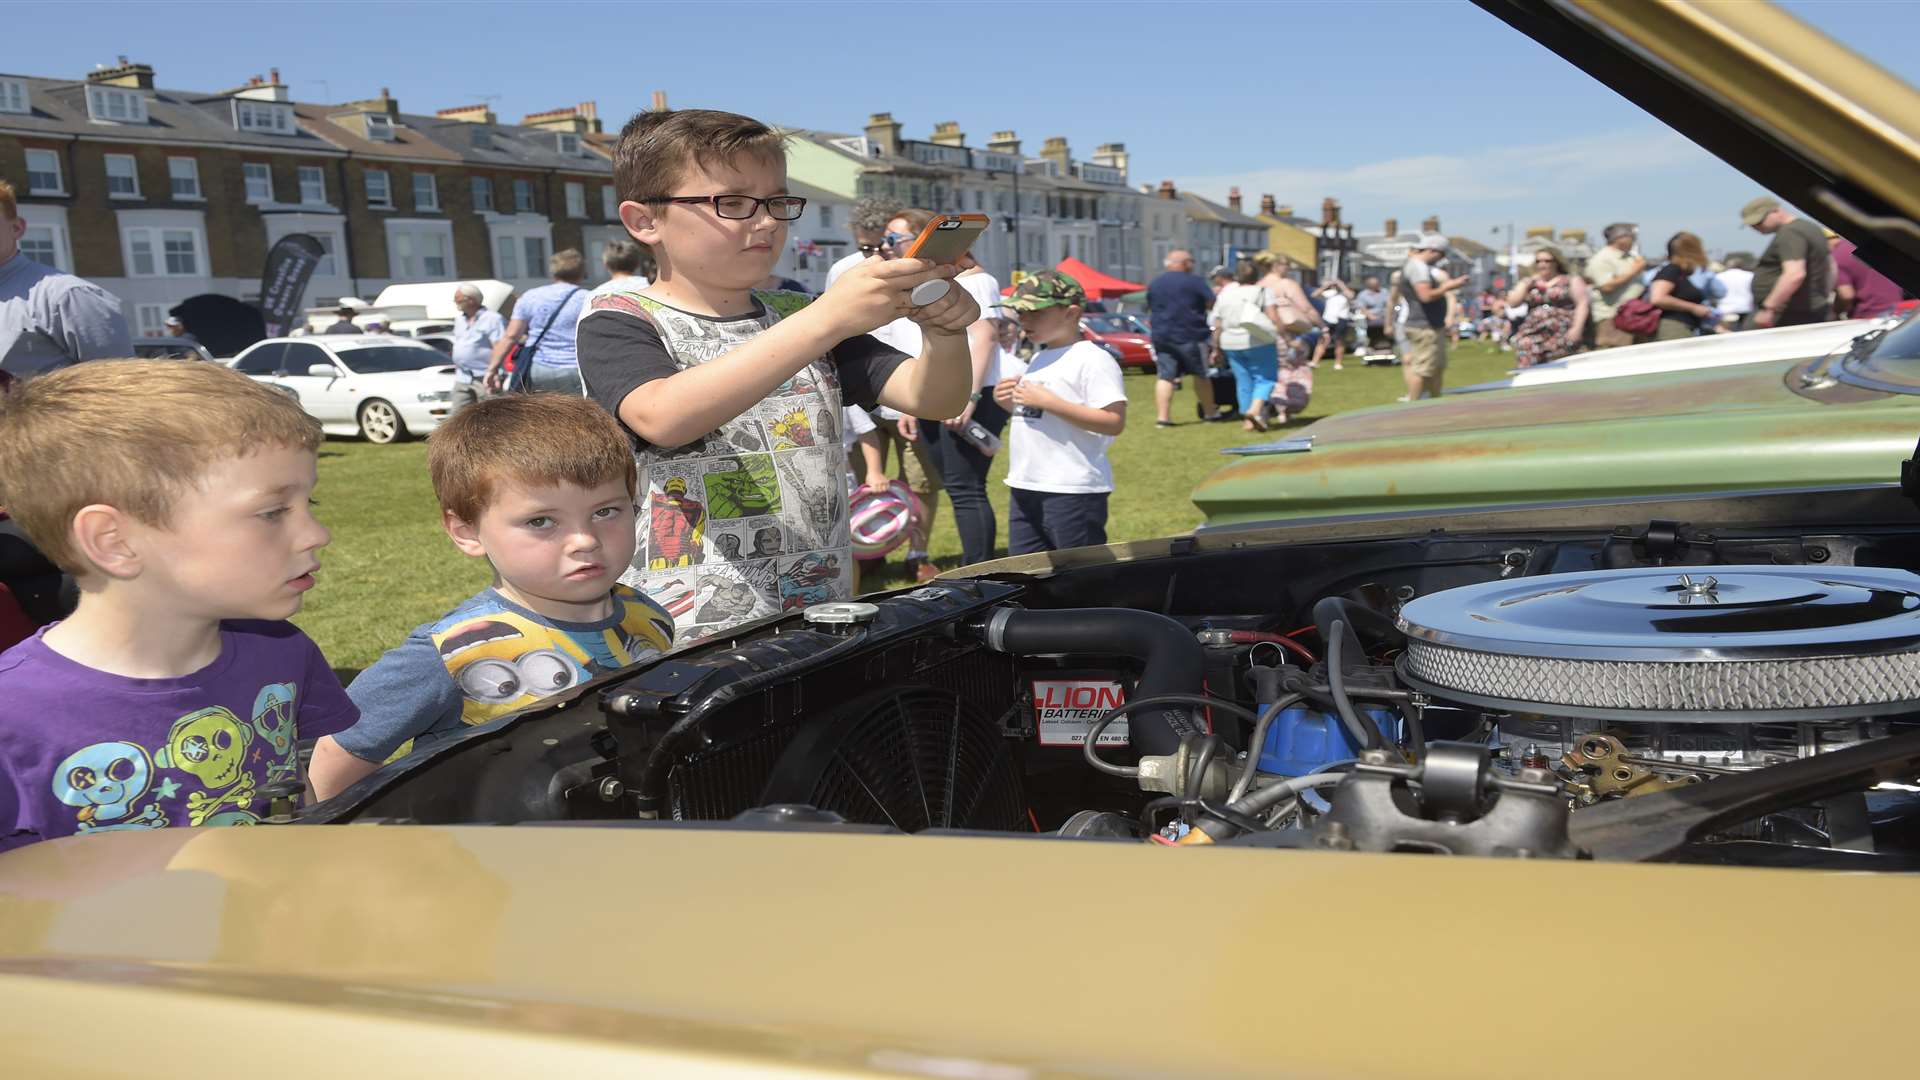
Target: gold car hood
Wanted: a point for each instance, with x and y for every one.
(379, 950)
(1807, 118)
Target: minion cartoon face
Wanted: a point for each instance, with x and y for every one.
(503, 663)
(209, 743)
(103, 780)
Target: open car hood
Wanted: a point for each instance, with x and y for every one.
(1807, 118)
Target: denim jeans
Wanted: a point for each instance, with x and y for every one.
(549, 378)
(964, 471)
(1050, 521)
(1254, 372)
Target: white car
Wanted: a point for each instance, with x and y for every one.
(380, 388)
(1710, 350)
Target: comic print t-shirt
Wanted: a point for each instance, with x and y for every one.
(489, 657)
(83, 751)
(749, 520)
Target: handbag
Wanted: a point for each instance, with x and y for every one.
(1637, 316)
(519, 362)
(1290, 318)
(1253, 318)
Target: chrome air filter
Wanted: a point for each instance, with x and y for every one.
(1706, 643)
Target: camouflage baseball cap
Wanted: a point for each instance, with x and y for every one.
(1048, 288)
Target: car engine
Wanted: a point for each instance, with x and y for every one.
(1660, 694)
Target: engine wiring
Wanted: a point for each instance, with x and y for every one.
(1088, 748)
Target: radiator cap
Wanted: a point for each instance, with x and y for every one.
(841, 614)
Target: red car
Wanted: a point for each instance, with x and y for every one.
(1120, 336)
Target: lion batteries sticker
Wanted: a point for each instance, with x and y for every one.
(1064, 710)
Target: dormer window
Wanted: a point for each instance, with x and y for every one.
(107, 104)
(13, 96)
(380, 127)
(569, 143)
(263, 117)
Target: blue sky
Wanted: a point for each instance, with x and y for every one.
(1206, 94)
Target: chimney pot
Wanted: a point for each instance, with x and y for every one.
(1393, 227)
(1284, 211)
(274, 76)
(659, 101)
(1233, 199)
(1167, 190)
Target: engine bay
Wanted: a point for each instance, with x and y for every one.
(1656, 691)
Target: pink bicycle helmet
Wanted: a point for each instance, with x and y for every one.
(880, 520)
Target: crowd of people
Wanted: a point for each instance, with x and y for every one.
(1806, 274)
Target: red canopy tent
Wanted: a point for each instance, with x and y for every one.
(1099, 286)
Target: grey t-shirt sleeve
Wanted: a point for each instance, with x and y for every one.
(86, 322)
(405, 694)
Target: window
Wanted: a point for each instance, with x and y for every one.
(262, 359)
(183, 175)
(115, 106)
(261, 116)
(1066, 248)
(507, 256)
(163, 252)
(13, 96)
(569, 144)
(979, 199)
(301, 357)
(380, 126)
(259, 176)
(523, 197)
(325, 267)
(609, 204)
(426, 192)
(43, 173)
(576, 200)
(419, 251)
(123, 182)
(536, 248)
(379, 190)
(313, 185)
(482, 195)
(826, 217)
(151, 319)
(40, 244)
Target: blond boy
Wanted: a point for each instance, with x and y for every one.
(732, 396)
(542, 487)
(178, 495)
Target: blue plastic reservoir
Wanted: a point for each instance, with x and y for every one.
(1302, 740)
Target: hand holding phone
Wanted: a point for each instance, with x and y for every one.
(947, 237)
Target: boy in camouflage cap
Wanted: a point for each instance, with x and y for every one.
(1068, 404)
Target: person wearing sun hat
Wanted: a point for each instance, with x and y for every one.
(1068, 405)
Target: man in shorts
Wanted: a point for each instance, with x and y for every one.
(1425, 289)
(1178, 302)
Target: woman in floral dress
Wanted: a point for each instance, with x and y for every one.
(1556, 310)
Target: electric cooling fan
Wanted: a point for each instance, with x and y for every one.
(912, 757)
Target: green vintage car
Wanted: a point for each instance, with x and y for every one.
(1820, 422)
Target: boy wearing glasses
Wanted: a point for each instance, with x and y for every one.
(732, 395)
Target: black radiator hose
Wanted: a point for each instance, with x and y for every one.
(1173, 662)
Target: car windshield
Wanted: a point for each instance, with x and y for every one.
(1890, 362)
(384, 359)
(1109, 324)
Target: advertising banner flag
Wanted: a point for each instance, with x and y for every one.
(283, 282)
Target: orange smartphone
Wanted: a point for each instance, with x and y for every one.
(947, 237)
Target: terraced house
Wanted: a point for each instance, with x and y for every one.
(161, 195)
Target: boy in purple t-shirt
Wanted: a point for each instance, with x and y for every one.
(178, 496)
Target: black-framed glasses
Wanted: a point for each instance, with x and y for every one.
(743, 207)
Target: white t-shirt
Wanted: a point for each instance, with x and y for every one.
(1050, 454)
(1336, 306)
(1739, 298)
(625, 284)
(904, 334)
(985, 290)
(845, 264)
(1230, 314)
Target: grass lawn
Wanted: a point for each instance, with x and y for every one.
(391, 568)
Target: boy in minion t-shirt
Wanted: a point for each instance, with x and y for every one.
(542, 486)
